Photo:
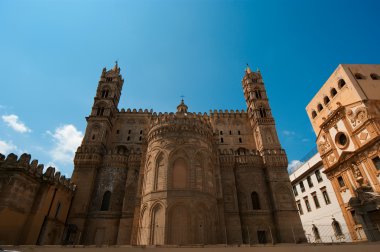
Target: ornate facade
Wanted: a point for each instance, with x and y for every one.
(182, 178)
(345, 115)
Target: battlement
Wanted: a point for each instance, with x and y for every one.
(173, 118)
(35, 170)
(228, 113)
(136, 111)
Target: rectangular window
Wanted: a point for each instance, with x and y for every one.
(341, 182)
(307, 204)
(302, 186)
(309, 182)
(376, 163)
(325, 195)
(299, 207)
(315, 198)
(318, 175)
(295, 190)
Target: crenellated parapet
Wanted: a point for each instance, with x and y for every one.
(167, 123)
(34, 170)
(228, 114)
(136, 111)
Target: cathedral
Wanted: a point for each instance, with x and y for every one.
(148, 178)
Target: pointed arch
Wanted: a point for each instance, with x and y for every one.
(106, 201)
(159, 172)
(179, 223)
(179, 173)
(157, 230)
(262, 112)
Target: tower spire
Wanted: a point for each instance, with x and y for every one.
(248, 69)
(116, 67)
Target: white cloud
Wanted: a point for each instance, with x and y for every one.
(15, 123)
(7, 147)
(294, 164)
(288, 133)
(67, 139)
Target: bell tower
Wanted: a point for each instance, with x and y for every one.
(259, 111)
(89, 156)
(284, 211)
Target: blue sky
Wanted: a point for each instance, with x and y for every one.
(52, 54)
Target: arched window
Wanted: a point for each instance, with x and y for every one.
(221, 140)
(337, 229)
(179, 174)
(341, 83)
(326, 100)
(333, 92)
(240, 140)
(258, 94)
(221, 132)
(374, 76)
(105, 93)
(313, 114)
(100, 112)
(255, 201)
(359, 76)
(106, 201)
(315, 230)
(108, 79)
(263, 113)
(319, 107)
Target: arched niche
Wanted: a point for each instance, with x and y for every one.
(157, 225)
(179, 225)
(179, 173)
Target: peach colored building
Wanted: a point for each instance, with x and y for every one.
(182, 178)
(34, 203)
(345, 115)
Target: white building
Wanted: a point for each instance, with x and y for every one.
(320, 213)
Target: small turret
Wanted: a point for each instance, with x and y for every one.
(182, 108)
